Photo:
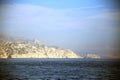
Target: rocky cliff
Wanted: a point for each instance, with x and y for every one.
(9, 49)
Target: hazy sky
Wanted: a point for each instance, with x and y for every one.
(80, 25)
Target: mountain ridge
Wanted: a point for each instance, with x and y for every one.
(12, 47)
(9, 49)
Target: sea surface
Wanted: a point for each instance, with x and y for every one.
(59, 69)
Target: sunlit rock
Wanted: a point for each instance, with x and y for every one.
(10, 49)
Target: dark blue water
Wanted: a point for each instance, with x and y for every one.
(59, 69)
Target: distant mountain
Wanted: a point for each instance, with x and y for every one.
(20, 48)
(90, 56)
(114, 56)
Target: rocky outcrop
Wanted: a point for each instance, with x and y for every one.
(10, 49)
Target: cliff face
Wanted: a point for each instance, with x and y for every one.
(10, 49)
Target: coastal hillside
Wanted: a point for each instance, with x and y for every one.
(18, 49)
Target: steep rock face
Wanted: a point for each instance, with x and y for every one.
(27, 50)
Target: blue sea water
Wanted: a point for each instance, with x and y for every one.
(59, 69)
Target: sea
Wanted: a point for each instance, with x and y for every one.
(59, 69)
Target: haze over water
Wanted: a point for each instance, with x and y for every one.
(82, 26)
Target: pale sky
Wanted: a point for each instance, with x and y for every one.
(80, 25)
